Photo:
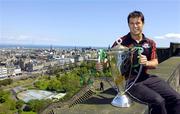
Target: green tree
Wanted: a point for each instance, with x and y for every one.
(42, 84)
(54, 85)
(3, 96)
(19, 104)
(37, 105)
(4, 110)
(70, 81)
(12, 104)
(5, 82)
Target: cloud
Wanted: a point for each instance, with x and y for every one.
(15, 37)
(27, 39)
(172, 36)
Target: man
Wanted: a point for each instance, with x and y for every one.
(148, 89)
(101, 86)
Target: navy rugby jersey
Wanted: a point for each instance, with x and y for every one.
(149, 48)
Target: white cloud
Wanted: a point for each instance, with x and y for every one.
(12, 38)
(27, 39)
(170, 36)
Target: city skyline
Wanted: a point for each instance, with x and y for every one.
(95, 23)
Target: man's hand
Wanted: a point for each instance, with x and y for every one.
(150, 64)
(143, 60)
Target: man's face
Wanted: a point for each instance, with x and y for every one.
(135, 26)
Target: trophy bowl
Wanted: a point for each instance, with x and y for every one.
(119, 58)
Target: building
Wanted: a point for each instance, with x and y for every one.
(3, 72)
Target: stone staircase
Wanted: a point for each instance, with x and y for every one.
(81, 96)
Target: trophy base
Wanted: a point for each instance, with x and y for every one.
(121, 101)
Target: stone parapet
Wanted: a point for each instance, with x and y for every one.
(169, 70)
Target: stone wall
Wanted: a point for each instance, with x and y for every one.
(165, 53)
(174, 80)
(169, 70)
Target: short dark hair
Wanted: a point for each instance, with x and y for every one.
(136, 14)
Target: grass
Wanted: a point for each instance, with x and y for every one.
(28, 112)
(18, 83)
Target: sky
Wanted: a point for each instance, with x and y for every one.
(85, 22)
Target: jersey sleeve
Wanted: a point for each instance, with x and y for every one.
(153, 54)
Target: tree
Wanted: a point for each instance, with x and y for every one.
(70, 81)
(19, 104)
(37, 105)
(42, 84)
(55, 85)
(5, 82)
(3, 96)
(2, 99)
(12, 104)
(4, 110)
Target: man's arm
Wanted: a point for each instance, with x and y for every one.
(153, 62)
(150, 64)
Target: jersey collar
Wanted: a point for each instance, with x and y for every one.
(144, 39)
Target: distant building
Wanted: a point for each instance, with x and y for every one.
(3, 72)
(14, 71)
(78, 58)
(17, 71)
(29, 67)
(63, 61)
(21, 64)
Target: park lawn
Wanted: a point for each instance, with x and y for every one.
(29, 112)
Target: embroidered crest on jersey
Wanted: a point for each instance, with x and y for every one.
(145, 45)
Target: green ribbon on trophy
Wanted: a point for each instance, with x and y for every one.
(102, 55)
(139, 51)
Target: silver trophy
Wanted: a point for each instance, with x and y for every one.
(118, 58)
(120, 64)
